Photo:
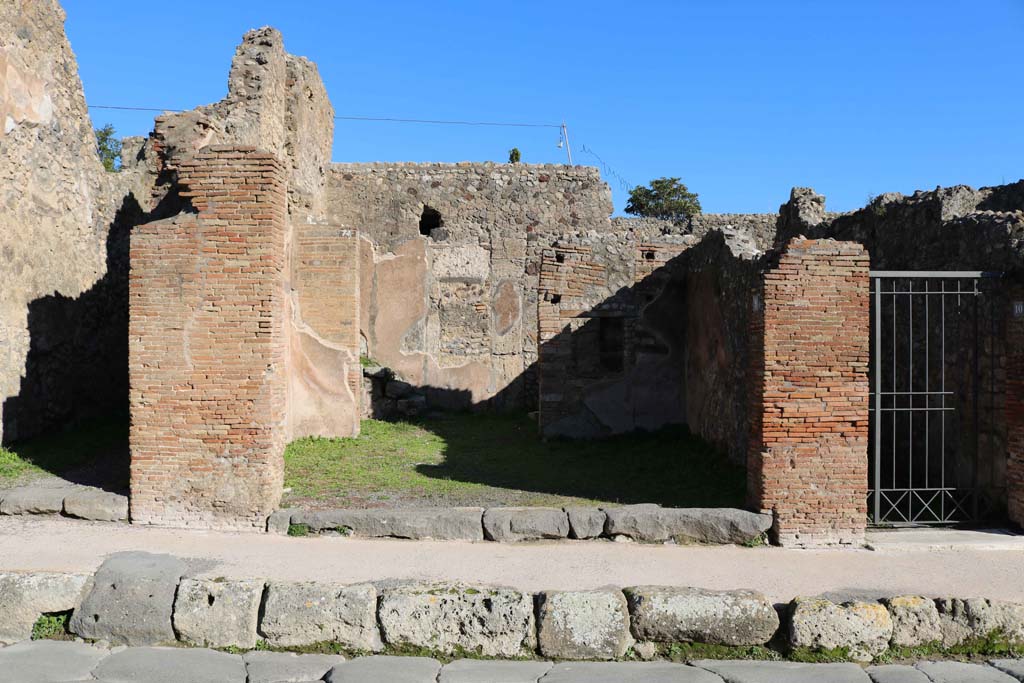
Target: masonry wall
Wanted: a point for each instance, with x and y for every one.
(808, 463)
(1014, 407)
(208, 347)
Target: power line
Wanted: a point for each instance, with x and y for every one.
(388, 119)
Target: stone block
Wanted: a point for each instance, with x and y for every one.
(965, 619)
(218, 613)
(171, 665)
(279, 521)
(449, 618)
(525, 524)
(655, 524)
(390, 669)
(445, 524)
(49, 661)
(963, 672)
(1014, 667)
(915, 620)
(896, 673)
(627, 672)
(96, 504)
(668, 614)
(288, 667)
(586, 522)
(298, 614)
(25, 597)
(783, 672)
(583, 624)
(129, 600)
(31, 500)
(475, 671)
(863, 628)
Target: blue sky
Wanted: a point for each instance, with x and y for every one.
(743, 99)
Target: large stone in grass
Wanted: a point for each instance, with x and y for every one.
(130, 599)
(863, 629)
(655, 524)
(449, 618)
(583, 624)
(586, 522)
(33, 500)
(668, 615)
(26, 597)
(288, 667)
(961, 620)
(218, 613)
(915, 620)
(171, 665)
(512, 524)
(306, 613)
(96, 504)
(447, 524)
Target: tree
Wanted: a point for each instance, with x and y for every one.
(108, 146)
(665, 198)
(514, 156)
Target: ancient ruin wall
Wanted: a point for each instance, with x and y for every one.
(208, 347)
(808, 462)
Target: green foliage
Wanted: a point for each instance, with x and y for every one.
(994, 644)
(664, 198)
(52, 627)
(108, 145)
(824, 656)
(59, 452)
(688, 652)
(514, 157)
(298, 530)
(367, 362)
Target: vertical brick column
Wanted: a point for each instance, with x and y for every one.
(1015, 404)
(808, 463)
(207, 347)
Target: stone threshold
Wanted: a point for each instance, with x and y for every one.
(643, 523)
(69, 500)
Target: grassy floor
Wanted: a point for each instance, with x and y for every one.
(93, 450)
(499, 460)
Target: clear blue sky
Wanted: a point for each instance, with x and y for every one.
(743, 99)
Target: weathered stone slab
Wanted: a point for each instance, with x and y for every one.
(218, 613)
(783, 672)
(896, 673)
(586, 522)
(171, 665)
(296, 614)
(961, 672)
(496, 622)
(583, 624)
(32, 500)
(24, 597)
(279, 521)
(655, 524)
(450, 524)
(525, 524)
(863, 628)
(48, 661)
(476, 670)
(287, 667)
(666, 614)
(390, 669)
(130, 599)
(627, 672)
(1014, 667)
(962, 620)
(915, 620)
(96, 504)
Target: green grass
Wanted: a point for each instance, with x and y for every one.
(59, 452)
(480, 459)
(52, 627)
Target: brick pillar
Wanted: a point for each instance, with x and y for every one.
(207, 347)
(808, 463)
(1015, 404)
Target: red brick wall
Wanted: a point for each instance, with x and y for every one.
(1015, 406)
(208, 348)
(809, 438)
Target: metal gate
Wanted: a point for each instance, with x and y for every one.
(937, 448)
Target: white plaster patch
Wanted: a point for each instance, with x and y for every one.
(462, 262)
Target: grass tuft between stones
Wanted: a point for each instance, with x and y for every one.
(52, 627)
(298, 530)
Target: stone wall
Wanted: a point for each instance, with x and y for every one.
(208, 347)
(808, 461)
(1014, 406)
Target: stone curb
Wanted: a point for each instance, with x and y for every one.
(81, 502)
(641, 523)
(147, 600)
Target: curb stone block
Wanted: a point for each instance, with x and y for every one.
(628, 672)
(583, 624)
(171, 665)
(475, 671)
(279, 521)
(390, 669)
(511, 524)
(667, 615)
(130, 599)
(287, 667)
(46, 661)
(783, 672)
(306, 613)
(863, 628)
(586, 523)
(218, 613)
(25, 597)
(655, 524)
(496, 622)
(33, 501)
(443, 524)
(964, 619)
(915, 620)
(95, 504)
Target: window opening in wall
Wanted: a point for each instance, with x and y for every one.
(430, 221)
(649, 255)
(556, 298)
(560, 258)
(611, 343)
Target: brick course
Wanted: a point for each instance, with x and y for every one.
(208, 347)
(808, 462)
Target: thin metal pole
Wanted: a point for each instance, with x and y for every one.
(565, 136)
(878, 401)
